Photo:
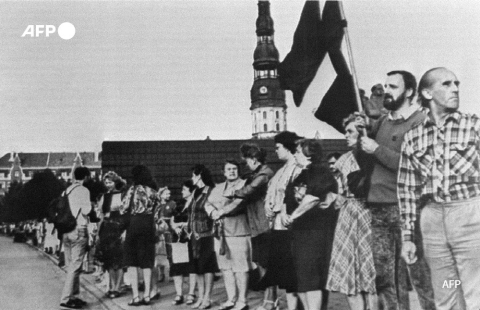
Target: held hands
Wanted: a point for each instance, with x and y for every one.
(178, 230)
(286, 219)
(409, 252)
(269, 212)
(217, 214)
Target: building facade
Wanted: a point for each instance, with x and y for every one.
(268, 109)
(20, 167)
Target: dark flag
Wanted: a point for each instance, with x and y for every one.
(340, 99)
(300, 66)
(338, 103)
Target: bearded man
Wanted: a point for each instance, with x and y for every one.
(383, 147)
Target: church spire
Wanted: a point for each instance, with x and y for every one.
(268, 99)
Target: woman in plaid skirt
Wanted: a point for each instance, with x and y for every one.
(352, 270)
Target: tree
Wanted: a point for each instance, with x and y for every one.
(37, 194)
(11, 203)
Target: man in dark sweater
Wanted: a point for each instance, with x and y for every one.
(384, 146)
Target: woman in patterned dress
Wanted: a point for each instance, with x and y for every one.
(140, 202)
(352, 271)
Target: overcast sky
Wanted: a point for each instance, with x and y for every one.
(182, 70)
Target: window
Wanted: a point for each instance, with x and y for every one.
(278, 127)
(277, 114)
(265, 116)
(265, 128)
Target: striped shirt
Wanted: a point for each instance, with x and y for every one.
(440, 164)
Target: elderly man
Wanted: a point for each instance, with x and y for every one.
(440, 174)
(387, 133)
(234, 251)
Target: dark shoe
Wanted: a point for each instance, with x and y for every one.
(146, 301)
(178, 300)
(70, 305)
(113, 294)
(79, 301)
(155, 297)
(135, 302)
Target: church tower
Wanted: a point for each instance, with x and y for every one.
(269, 115)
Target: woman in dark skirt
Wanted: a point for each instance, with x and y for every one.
(179, 227)
(109, 250)
(280, 264)
(200, 225)
(140, 202)
(312, 219)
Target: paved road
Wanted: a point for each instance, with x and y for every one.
(29, 280)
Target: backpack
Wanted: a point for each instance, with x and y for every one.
(60, 214)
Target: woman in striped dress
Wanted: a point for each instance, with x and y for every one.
(352, 270)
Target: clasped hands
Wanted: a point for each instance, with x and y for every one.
(217, 214)
(286, 219)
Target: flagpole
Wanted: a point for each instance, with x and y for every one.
(352, 65)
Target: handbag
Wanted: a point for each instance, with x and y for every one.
(179, 252)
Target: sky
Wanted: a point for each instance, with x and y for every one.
(182, 70)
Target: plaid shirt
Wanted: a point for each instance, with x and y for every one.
(440, 164)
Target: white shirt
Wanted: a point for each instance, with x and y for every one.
(79, 199)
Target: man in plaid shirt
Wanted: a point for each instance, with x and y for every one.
(440, 171)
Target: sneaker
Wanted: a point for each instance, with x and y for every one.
(70, 304)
